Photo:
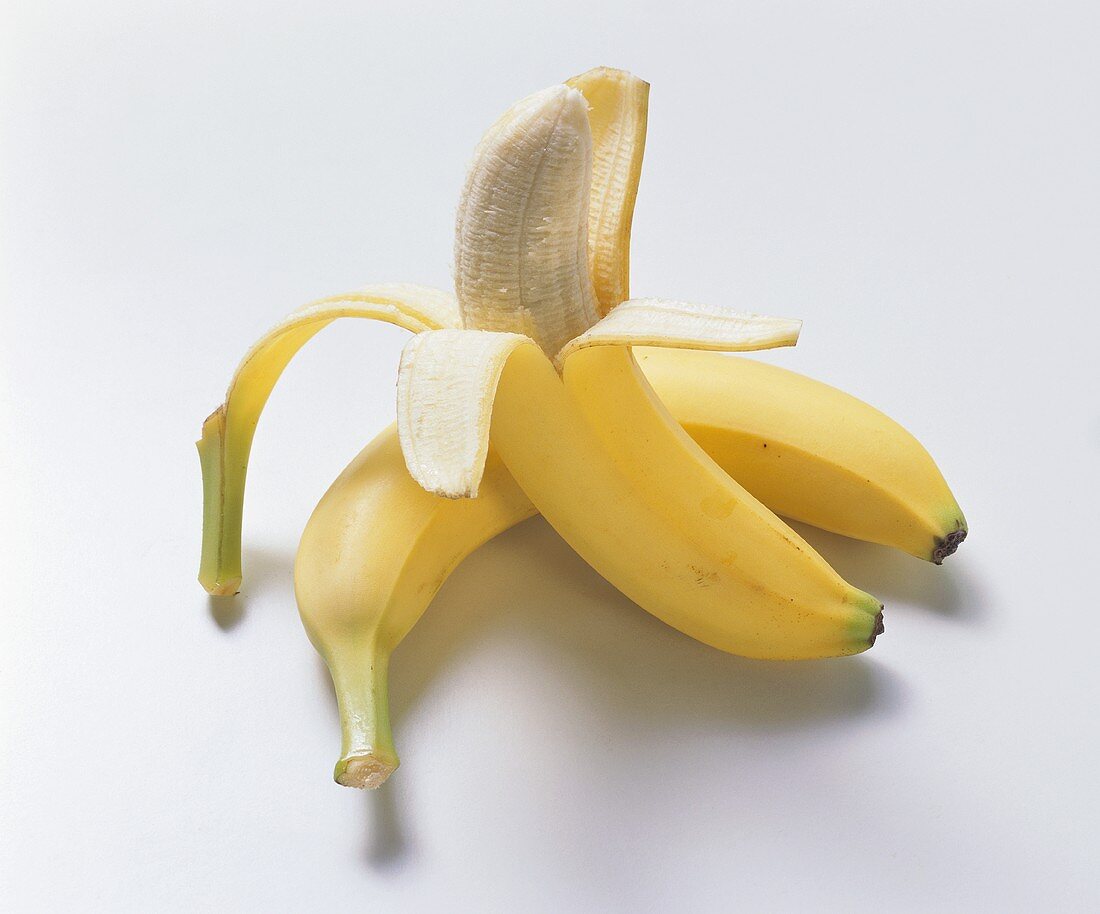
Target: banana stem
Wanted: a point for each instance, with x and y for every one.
(223, 470)
(361, 679)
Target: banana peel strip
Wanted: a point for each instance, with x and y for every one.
(618, 111)
(227, 434)
(683, 325)
(445, 390)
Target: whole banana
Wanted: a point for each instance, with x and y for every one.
(809, 451)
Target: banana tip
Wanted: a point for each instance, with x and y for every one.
(879, 628)
(368, 771)
(946, 545)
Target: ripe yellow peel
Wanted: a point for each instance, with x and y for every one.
(618, 107)
(227, 434)
(809, 451)
(681, 325)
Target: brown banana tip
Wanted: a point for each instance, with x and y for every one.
(879, 628)
(946, 545)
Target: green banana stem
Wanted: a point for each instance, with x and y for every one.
(359, 675)
(222, 506)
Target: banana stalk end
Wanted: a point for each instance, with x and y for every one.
(367, 771)
(869, 626)
(946, 545)
(360, 677)
(220, 562)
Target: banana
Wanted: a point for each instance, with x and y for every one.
(379, 546)
(913, 496)
(376, 550)
(594, 449)
(809, 451)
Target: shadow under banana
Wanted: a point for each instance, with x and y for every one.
(639, 681)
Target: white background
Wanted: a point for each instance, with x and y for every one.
(918, 181)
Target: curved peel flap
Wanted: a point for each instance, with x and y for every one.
(618, 109)
(445, 390)
(683, 325)
(227, 434)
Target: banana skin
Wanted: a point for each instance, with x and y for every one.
(378, 547)
(809, 451)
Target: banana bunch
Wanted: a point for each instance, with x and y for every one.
(542, 387)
